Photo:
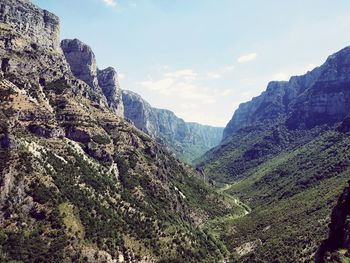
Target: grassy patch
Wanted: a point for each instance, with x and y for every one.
(72, 220)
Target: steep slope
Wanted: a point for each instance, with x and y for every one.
(286, 155)
(336, 247)
(287, 114)
(83, 65)
(78, 183)
(187, 140)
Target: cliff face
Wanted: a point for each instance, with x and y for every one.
(109, 83)
(83, 65)
(318, 97)
(30, 36)
(77, 182)
(187, 140)
(82, 61)
(336, 247)
(38, 27)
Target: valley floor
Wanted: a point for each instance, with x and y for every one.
(220, 225)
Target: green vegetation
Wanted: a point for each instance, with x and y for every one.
(290, 186)
(78, 202)
(71, 219)
(101, 139)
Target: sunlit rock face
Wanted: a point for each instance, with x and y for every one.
(108, 81)
(319, 97)
(81, 60)
(29, 34)
(187, 140)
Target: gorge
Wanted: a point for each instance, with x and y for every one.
(90, 172)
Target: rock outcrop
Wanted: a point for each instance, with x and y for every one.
(38, 28)
(339, 232)
(318, 97)
(27, 36)
(81, 60)
(83, 65)
(187, 140)
(109, 83)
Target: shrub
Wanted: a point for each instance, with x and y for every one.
(101, 139)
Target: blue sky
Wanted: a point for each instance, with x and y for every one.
(202, 58)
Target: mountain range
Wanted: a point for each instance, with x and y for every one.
(93, 173)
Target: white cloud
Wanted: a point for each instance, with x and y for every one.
(213, 75)
(248, 81)
(186, 92)
(179, 89)
(225, 92)
(121, 76)
(285, 75)
(161, 86)
(281, 76)
(188, 74)
(110, 3)
(247, 58)
(220, 72)
(184, 85)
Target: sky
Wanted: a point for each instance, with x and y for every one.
(202, 58)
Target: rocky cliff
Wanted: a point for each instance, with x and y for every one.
(336, 247)
(109, 83)
(318, 97)
(77, 182)
(187, 140)
(82, 62)
(28, 36)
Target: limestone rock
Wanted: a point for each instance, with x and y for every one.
(318, 97)
(187, 140)
(81, 60)
(29, 34)
(108, 81)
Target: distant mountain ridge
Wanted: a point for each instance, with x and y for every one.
(318, 97)
(186, 139)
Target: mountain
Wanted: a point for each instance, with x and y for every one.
(286, 155)
(78, 183)
(318, 97)
(187, 140)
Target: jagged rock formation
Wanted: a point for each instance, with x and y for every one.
(81, 60)
(83, 65)
(318, 97)
(187, 140)
(77, 182)
(35, 36)
(337, 246)
(109, 83)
